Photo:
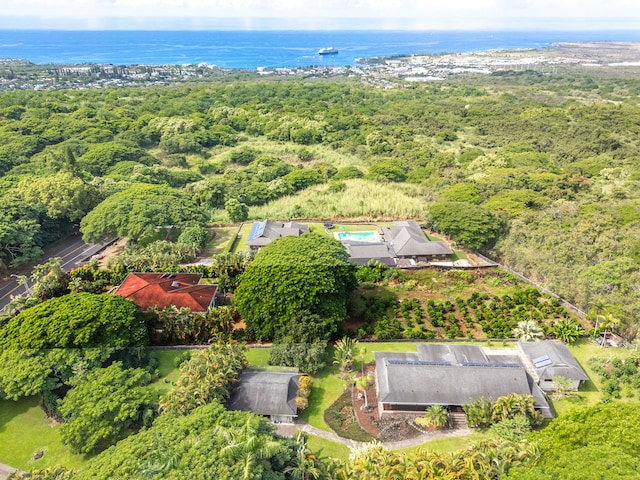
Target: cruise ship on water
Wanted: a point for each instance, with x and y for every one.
(327, 51)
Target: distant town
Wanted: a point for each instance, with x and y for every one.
(386, 72)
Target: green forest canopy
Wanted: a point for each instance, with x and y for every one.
(40, 347)
(552, 158)
(311, 272)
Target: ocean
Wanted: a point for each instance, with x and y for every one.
(252, 49)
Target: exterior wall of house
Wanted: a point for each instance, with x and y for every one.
(547, 385)
(427, 258)
(391, 408)
(278, 419)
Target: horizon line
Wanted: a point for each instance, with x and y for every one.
(322, 29)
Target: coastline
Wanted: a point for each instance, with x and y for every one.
(617, 58)
(551, 59)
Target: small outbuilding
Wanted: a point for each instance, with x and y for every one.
(268, 393)
(553, 359)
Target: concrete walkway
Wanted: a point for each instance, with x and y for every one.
(410, 442)
(306, 428)
(5, 471)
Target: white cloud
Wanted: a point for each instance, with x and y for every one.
(410, 13)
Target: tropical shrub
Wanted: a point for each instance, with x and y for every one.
(435, 416)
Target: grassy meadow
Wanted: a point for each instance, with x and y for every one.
(360, 200)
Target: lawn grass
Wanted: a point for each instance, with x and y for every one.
(221, 238)
(243, 237)
(447, 444)
(258, 356)
(24, 429)
(168, 373)
(590, 392)
(324, 448)
(458, 255)
(325, 390)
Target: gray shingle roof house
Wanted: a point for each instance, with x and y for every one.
(361, 253)
(268, 393)
(409, 241)
(449, 375)
(264, 232)
(553, 359)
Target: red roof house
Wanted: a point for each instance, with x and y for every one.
(165, 289)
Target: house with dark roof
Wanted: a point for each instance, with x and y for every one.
(361, 253)
(264, 232)
(551, 359)
(165, 289)
(451, 376)
(407, 240)
(269, 393)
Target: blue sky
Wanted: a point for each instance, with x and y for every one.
(322, 14)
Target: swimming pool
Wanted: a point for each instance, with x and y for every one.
(364, 236)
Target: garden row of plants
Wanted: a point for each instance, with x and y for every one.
(496, 316)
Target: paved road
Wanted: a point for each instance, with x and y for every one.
(73, 251)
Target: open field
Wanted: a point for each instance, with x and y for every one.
(360, 200)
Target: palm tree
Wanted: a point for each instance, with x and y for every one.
(160, 460)
(363, 352)
(305, 466)
(568, 330)
(343, 353)
(248, 446)
(435, 416)
(508, 406)
(599, 307)
(362, 383)
(608, 322)
(528, 331)
(504, 407)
